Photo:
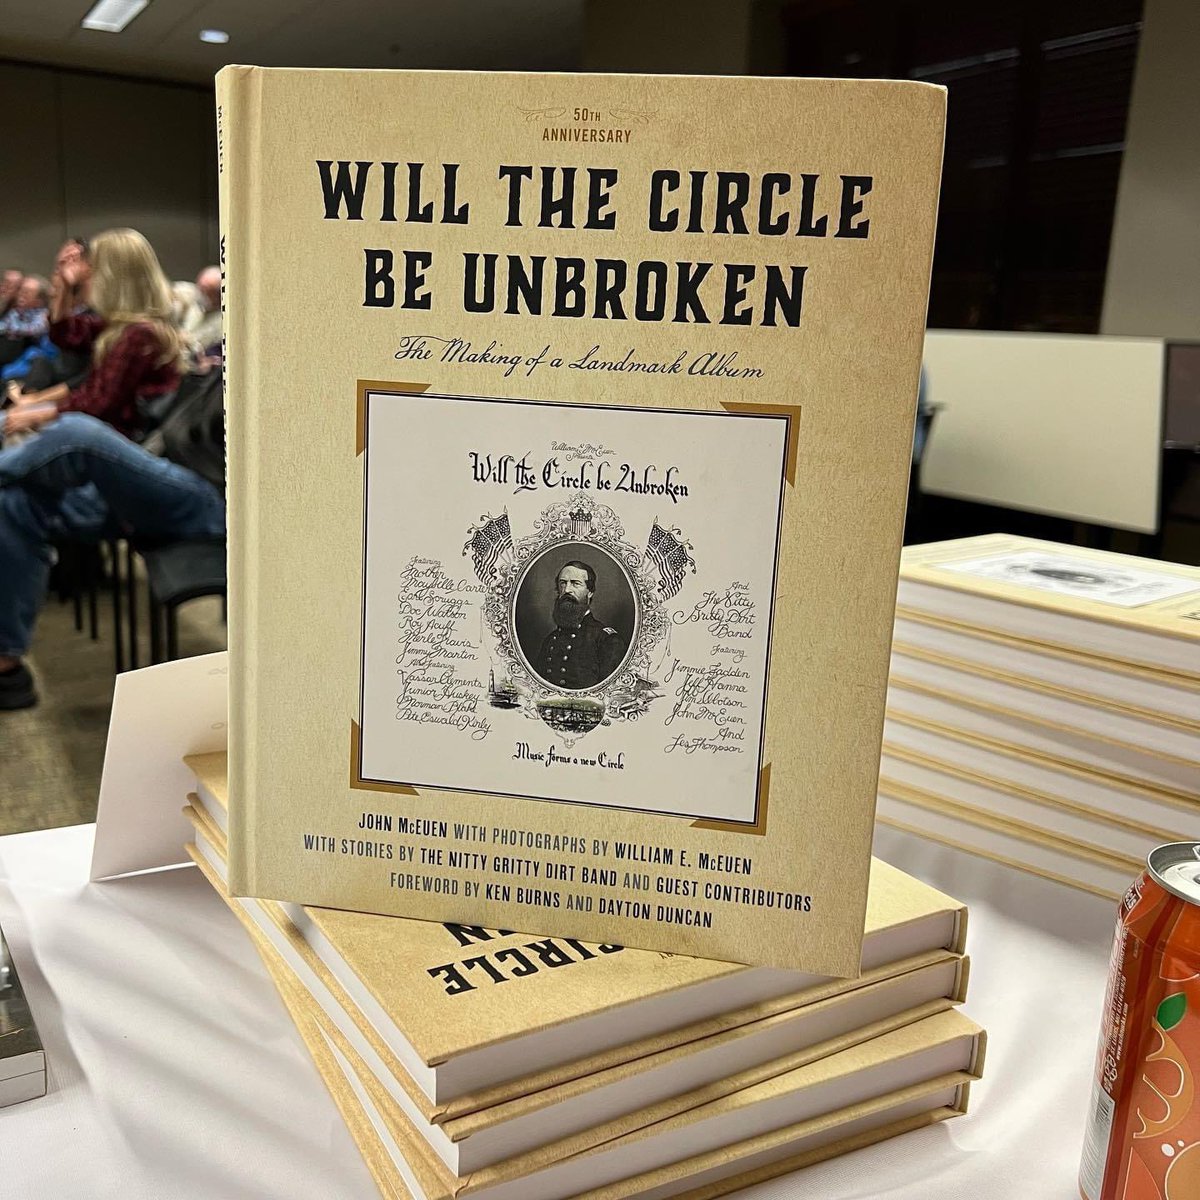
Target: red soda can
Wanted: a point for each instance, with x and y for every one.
(1143, 1138)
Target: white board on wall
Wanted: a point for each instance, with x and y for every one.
(1069, 426)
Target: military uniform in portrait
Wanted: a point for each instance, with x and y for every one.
(580, 657)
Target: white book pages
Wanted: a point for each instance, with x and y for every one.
(1073, 825)
(1158, 737)
(1037, 856)
(1105, 639)
(682, 1140)
(1156, 815)
(1030, 733)
(1124, 687)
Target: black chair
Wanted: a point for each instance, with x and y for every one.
(914, 516)
(179, 572)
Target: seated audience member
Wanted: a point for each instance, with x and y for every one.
(137, 353)
(10, 281)
(80, 476)
(188, 313)
(24, 326)
(208, 332)
(28, 318)
(74, 326)
(187, 305)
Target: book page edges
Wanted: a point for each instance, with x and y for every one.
(1054, 650)
(954, 770)
(1033, 718)
(1012, 828)
(1038, 758)
(443, 1185)
(385, 1174)
(1040, 687)
(955, 844)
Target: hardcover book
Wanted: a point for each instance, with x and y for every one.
(569, 425)
(426, 999)
(1042, 811)
(1111, 606)
(1140, 690)
(891, 1083)
(1139, 809)
(1016, 845)
(22, 1059)
(1155, 733)
(1024, 728)
(594, 1100)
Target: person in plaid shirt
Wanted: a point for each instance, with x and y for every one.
(137, 352)
(81, 476)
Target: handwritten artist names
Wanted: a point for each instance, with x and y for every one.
(644, 881)
(436, 659)
(709, 712)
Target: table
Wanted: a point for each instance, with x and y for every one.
(176, 1072)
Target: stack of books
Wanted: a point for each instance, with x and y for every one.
(22, 1058)
(475, 1062)
(1044, 706)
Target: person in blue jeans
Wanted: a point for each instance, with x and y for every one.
(80, 478)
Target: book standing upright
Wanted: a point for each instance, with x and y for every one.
(569, 423)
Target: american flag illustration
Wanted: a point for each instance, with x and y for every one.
(671, 557)
(487, 543)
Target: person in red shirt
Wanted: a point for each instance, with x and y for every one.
(137, 353)
(81, 475)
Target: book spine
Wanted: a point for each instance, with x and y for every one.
(238, 104)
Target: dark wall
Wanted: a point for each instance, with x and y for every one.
(84, 152)
(1038, 100)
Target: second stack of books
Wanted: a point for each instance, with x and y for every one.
(1044, 706)
(477, 1062)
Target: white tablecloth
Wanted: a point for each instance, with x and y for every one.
(175, 1071)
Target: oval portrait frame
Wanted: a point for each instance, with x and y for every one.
(515, 641)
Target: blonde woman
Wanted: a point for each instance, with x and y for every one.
(138, 351)
(81, 477)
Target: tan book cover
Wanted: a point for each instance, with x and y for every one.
(1140, 611)
(564, 527)
(1008, 842)
(446, 1005)
(932, 1057)
(660, 1076)
(445, 1019)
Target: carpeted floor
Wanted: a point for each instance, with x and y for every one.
(51, 755)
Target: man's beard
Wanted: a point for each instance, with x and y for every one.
(568, 612)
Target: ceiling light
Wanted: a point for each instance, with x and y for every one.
(218, 37)
(111, 16)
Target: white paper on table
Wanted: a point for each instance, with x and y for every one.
(159, 714)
